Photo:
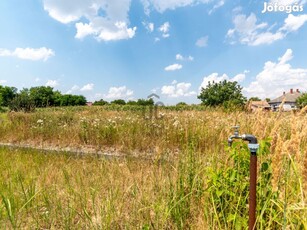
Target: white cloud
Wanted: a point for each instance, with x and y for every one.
(118, 31)
(121, 92)
(155, 90)
(214, 77)
(248, 31)
(179, 57)
(216, 6)
(293, 23)
(87, 87)
(239, 77)
(173, 67)
(165, 29)
(165, 35)
(29, 53)
(149, 26)
(288, 2)
(37, 79)
(177, 89)
(73, 89)
(3, 82)
(277, 77)
(202, 42)
(107, 19)
(162, 5)
(52, 83)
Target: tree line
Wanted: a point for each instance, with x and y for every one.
(141, 102)
(225, 94)
(36, 97)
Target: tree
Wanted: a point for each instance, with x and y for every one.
(43, 96)
(254, 99)
(179, 104)
(68, 99)
(144, 102)
(7, 94)
(224, 93)
(131, 102)
(118, 102)
(101, 102)
(22, 102)
(302, 100)
(79, 100)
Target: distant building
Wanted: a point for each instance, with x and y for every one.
(89, 103)
(258, 105)
(288, 101)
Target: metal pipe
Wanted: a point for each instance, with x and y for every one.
(252, 192)
(253, 147)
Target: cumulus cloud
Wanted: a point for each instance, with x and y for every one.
(248, 31)
(73, 89)
(3, 82)
(202, 42)
(87, 87)
(52, 83)
(162, 5)
(215, 77)
(293, 23)
(165, 29)
(121, 92)
(179, 57)
(173, 67)
(32, 54)
(181, 89)
(277, 77)
(107, 19)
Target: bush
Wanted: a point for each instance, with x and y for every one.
(22, 102)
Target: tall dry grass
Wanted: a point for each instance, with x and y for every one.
(192, 179)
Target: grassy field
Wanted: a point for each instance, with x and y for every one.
(189, 179)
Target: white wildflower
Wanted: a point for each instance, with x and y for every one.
(176, 123)
(40, 121)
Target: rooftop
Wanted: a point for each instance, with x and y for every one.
(260, 104)
(287, 97)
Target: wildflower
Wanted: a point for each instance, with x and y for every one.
(176, 123)
(40, 122)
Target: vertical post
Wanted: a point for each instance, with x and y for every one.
(253, 185)
(252, 191)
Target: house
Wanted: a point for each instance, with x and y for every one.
(258, 105)
(89, 103)
(287, 100)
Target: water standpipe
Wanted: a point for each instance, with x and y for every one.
(253, 147)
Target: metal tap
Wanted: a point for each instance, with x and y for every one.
(235, 136)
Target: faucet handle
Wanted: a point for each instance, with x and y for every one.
(236, 130)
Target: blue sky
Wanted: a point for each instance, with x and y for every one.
(128, 49)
